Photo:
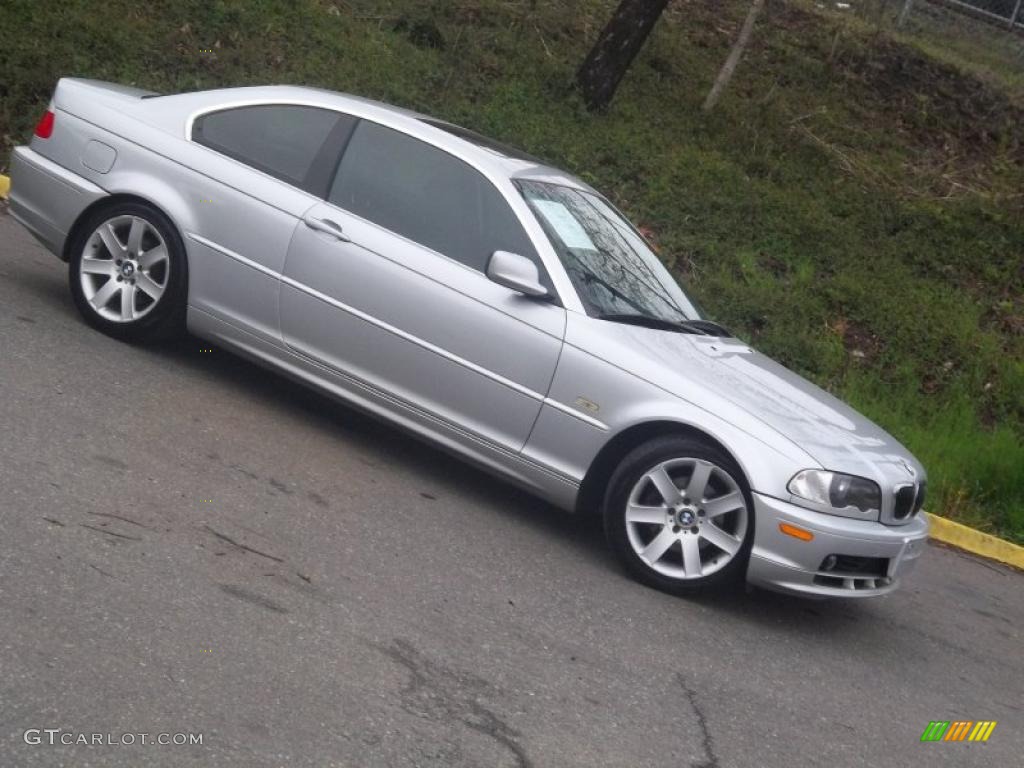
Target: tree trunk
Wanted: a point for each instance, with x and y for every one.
(734, 56)
(620, 41)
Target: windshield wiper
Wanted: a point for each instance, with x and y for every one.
(700, 327)
(648, 321)
(708, 327)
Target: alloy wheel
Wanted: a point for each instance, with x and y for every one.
(686, 518)
(124, 269)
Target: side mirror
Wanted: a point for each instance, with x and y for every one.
(516, 272)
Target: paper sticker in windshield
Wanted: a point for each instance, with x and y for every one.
(565, 225)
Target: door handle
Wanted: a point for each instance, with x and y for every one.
(326, 226)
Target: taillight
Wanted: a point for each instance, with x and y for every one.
(44, 128)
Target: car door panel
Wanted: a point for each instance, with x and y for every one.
(420, 326)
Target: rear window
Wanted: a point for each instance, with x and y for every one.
(297, 144)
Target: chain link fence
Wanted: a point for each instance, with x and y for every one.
(985, 37)
(1009, 12)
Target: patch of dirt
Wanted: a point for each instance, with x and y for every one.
(775, 266)
(422, 33)
(861, 345)
(1006, 315)
(937, 377)
(935, 105)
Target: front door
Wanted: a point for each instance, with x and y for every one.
(385, 282)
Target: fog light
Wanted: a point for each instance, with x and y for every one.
(796, 533)
(829, 563)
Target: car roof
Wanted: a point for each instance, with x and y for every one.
(476, 148)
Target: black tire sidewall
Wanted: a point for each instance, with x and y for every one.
(630, 470)
(167, 317)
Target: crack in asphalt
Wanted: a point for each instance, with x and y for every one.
(100, 570)
(110, 533)
(248, 596)
(711, 759)
(246, 547)
(429, 695)
(117, 517)
(278, 485)
(304, 587)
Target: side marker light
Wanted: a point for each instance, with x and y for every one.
(795, 532)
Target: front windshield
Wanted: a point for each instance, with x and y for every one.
(612, 268)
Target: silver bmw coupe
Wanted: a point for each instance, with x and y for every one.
(474, 295)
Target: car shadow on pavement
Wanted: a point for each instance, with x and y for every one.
(386, 442)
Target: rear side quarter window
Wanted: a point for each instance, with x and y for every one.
(297, 144)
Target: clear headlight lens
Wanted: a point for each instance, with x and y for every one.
(837, 491)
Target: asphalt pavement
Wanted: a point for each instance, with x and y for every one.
(190, 544)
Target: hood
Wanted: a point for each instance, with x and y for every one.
(732, 380)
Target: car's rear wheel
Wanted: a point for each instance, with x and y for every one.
(128, 272)
(679, 515)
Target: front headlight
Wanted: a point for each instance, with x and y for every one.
(838, 494)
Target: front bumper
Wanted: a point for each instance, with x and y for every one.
(783, 563)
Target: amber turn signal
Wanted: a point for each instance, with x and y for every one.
(796, 533)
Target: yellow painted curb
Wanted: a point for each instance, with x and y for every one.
(5, 185)
(976, 542)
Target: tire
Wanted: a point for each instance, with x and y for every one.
(128, 273)
(657, 542)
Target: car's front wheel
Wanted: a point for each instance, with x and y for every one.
(128, 272)
(679, 515)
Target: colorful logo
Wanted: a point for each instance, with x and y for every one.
(958, 730)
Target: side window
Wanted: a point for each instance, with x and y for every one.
(299, 145)
(427, 195)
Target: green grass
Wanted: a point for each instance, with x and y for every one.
(947, 34)
(858, 215)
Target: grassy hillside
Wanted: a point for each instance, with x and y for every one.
(854, 207)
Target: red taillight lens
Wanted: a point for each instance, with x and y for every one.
(44, 128)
